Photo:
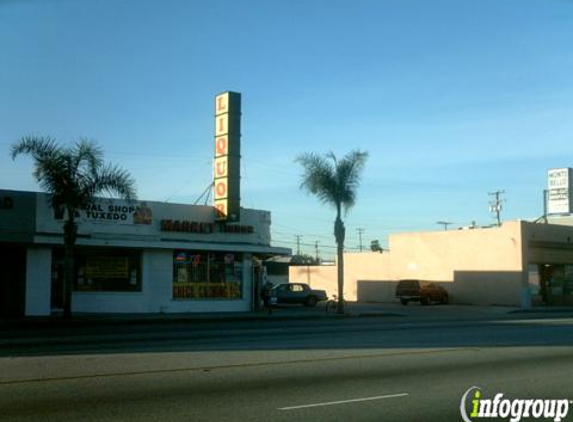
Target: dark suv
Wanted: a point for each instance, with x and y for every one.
(420, 291)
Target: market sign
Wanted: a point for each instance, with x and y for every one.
(559, 198)
(186, 226)
(227, 163)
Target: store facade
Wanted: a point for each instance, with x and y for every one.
(131, 257)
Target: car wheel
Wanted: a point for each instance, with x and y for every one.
(445, 299)
(425, 300)
(311, 301)
(404, 301)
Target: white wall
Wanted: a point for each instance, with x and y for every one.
(38, 281)
(157, 279)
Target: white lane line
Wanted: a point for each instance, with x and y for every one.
(332, 403)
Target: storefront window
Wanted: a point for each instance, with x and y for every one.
(103, 270)
(556, 283)
(204, 275)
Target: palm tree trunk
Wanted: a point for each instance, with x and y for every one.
(339, 233)
(70, 234)
(68, 281)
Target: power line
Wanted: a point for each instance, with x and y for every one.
(313, 245)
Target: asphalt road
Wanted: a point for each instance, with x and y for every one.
(371, 369)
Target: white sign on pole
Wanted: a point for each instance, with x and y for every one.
(559, 198)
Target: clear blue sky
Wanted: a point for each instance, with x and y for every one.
(452, 99)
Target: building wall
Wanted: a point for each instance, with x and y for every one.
(38, 281)
(550, 257)
(17, 216)
(158, 279)
(549, 243)
(321, 277)
(479, 266)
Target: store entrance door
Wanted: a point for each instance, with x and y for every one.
(556, 284)
(12, 280)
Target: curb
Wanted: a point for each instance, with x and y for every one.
(88, 321)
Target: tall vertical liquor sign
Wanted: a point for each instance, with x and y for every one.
(227, 165)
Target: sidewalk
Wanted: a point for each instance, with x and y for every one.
(283, 312)
(280, 313)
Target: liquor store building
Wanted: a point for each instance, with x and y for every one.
(130, 257)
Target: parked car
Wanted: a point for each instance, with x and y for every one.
(420, 291)
(297, 293)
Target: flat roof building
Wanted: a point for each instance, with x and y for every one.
(519, 264)
(131, 257)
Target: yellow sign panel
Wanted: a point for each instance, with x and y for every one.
(226, 166)
(221, 189)
(221, 146)
(107, 267)
(221, 125)
(222, 103)
(221, 208)
(221, 167)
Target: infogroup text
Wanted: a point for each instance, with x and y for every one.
(474, 406)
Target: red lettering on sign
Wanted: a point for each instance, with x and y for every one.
(221, 146)
(222, 124)
(221, 208)
(221, 189)
(221, 106)
(221, 168)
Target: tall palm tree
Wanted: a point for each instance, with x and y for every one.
(335, 183)
(72, 176)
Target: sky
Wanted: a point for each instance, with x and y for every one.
(452, 99)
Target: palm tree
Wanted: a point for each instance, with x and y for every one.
(334, 182)
(72, 176)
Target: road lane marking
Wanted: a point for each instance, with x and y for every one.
(333, 403)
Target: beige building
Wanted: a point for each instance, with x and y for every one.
(517, 264)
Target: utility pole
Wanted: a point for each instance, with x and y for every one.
(298, 237)
(360, 231)
(445, 224)
(495, 204)
(316, 252)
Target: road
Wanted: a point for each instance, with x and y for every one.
(370, 369)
